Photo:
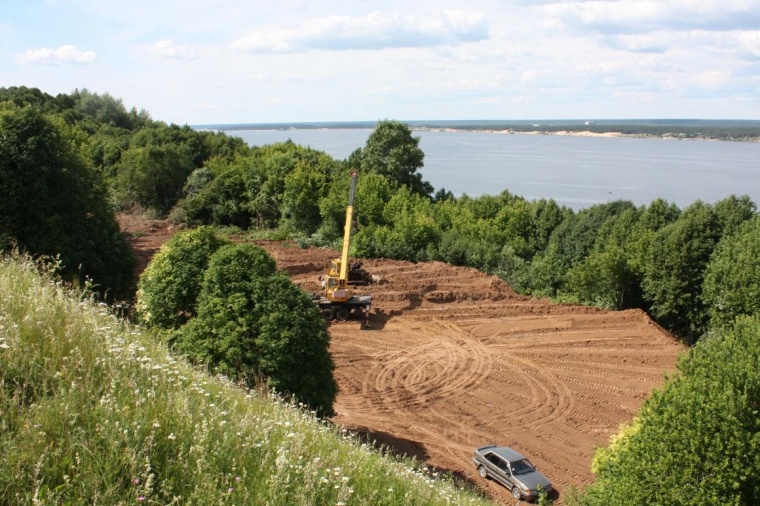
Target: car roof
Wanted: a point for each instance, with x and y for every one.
(504, 452)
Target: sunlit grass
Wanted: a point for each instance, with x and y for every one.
(94, 411)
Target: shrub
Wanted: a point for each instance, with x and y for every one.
(254, 324)
(52, 203)
(697, 441)
(168, 289)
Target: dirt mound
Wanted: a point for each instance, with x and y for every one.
(456, 359)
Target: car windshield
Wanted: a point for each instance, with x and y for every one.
(522, 467)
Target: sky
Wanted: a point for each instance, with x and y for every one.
(222, 61)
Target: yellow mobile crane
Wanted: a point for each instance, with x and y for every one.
(338, 300)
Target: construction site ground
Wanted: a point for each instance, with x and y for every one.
(455, 359)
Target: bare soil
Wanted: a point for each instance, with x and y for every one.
(455, 359)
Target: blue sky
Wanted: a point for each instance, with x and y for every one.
(220, 61)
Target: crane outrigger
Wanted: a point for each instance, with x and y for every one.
(338, 300)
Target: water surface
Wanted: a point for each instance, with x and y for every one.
(575, 171)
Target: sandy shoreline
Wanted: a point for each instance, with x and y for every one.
(588, 133)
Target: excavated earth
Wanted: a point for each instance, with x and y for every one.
(455, 359)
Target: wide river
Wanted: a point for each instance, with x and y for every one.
(575, 171)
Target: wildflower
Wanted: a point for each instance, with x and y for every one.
(171, 436)
(237, 478)
(141, 498)
(136, 481)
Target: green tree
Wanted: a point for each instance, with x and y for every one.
(254, 324)
(168, 290)
(569, 245)
(300, 201)
(547, 215)
(732, 278)
(606, 277)
(152, 177)
(392, 151)
(674, 270)
(53, 203)
(103, 109)
(697, 441)
(733, 211)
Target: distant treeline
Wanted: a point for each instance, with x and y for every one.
(728, 130)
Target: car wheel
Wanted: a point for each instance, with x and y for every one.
(482, 472)
(516, 493)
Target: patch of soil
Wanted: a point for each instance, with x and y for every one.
(455, 359)
(144, 236)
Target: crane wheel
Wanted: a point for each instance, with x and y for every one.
(327, 314)
(342, 314)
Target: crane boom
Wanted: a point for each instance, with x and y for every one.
(347, 231)
(339, 300)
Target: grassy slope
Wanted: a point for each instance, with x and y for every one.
(96, 412)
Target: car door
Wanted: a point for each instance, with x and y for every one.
(498, 468)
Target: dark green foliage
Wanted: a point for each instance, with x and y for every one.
(733, 211)
(696, 442)
(732, 278)
(412, 231)
(674, 269)
(607, 277)
(393, 152)
(280, 184)
(169, 287)
(576, 235)
(52, 203)
(101, 109)
(152, 177)
(570, 243)
(300, 202)
(253, 324)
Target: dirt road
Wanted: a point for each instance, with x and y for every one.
(456, 359)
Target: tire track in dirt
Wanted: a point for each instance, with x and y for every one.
(436, 369)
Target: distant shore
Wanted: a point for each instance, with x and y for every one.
(589, 133)
(713, 130)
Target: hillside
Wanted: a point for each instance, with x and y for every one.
(456, 359)
(96, 411)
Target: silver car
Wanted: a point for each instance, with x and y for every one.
(512, 470)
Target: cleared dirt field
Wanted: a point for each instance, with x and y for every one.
(456, 359)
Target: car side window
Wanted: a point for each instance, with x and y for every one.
(493, 459)
(503, 465)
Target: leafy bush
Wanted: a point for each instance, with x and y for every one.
(168, 289)
(697, 441)
(732, 278)
(52, 203)
(674, 269)
(253, 324)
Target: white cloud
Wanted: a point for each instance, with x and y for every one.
(372, 32)
(64, 54)
(648, 15)
(749, 43)
(168, 49)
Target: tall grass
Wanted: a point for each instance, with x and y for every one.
(94, 411)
